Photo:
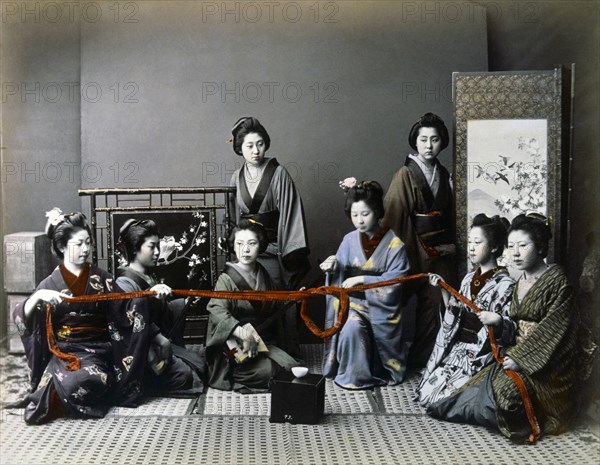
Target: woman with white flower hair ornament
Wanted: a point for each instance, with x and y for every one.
(84, 356)
(174, 370)
(372, 347)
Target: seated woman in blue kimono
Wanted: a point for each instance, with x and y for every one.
(95, 355)
(175, 370)
(244, 337)
(372, 347)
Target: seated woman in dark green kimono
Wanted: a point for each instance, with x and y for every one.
(544, 354)
(95, 354)
(249, 332)
(175, 370)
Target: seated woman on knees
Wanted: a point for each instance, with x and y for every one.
(242, 348)
(545, 350)
(372, 347)
(173, 370)
(96, 354)
(462, 346)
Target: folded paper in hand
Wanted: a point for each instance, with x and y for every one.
(235, 348)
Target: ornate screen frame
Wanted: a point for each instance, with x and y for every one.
(516, 95)
(219, 201)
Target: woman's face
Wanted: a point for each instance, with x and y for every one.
(364, 218)
(479, 248)
(253, 149)
(148, 254)
(246, 247)
(78, 248)
(429, 144)
(523, 252)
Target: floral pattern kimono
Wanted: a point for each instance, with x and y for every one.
(109, 338)
(462, 346)
(372, 347)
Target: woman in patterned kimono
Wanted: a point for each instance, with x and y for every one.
(174, 370)
(267, 194)
(372, 347)
(96, 354)
(419, 209)
(545, 352)
(462, 346)
(244, 337)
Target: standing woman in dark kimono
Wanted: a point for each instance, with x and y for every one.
(372, 347)
(175, 370)
(419, 209)
(251, 325)
(95, 354)
(545, 353)
(267, 194)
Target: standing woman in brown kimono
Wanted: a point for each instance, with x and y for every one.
(266, 193)
(419, 208)
(95, 355)
(545, 353)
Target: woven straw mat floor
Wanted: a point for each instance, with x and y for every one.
(381, 426)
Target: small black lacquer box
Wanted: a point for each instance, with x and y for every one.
(297, 400)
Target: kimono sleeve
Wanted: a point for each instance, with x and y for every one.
(129, 329)
(291, 231)
(500, 304)
(396, 267)
(129, 285)
(33, 335)
(221, 313)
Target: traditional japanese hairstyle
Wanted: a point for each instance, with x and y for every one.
(245, 126)
(369, 192)
(495, 230)
(537, 227)
(60, 228)
(132, 235)
(429, 120)
(254, 226)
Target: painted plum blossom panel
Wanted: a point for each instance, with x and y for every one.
(186, 248)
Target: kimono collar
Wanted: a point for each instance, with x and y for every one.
(479, 280)
(145, 281)
(369, 245)
(430, 174)
(254, 203)
(77, 284)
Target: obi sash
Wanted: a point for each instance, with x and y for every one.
(469, 326)
(82, 328)
(433, 226)
(269, 219)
